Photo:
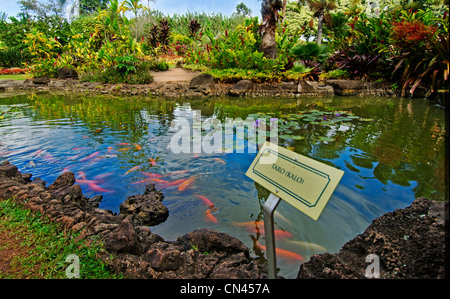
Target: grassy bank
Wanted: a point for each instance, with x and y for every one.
(15, 77)
(33, 247)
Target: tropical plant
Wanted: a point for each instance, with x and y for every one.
(135, 7)
(164, 34)
(310, 51)
(194, 27)
(356, 64)
(420, 47)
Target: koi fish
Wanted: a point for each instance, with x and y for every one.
(151, 175)
(205, 200)
(37, 153)
(103, 175)
(152, 161)
(175, 173)
(258, 227)
(97, 188)
(86, 182)
(73, 157)
(150, 180)
(250, 224)
(282, 253)
(109, 149)
(220, 161)
(85, 137)
(187, 183)
(66, 169)
(93, 155)
(50, 158)
(310, 246)
(124, 149)
(209, 217)
(122, 143)
(98, 130)
(137, 146)
(133, 169)
(152, 139)
(82, 175)
(174, 183)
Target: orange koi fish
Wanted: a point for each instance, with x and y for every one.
(174, 183)
(124, 149)
(150, 180)
(152, 161)
(103, 175)
(282, 253)
(209, 217)
(93, 155)
(109, 149)
(87, 182)
(151, 175)
(82, 175)
(137, 146)
(97, 188)
(187, 183)
(122, 143)
(220, 160)
(258, 226)
(133, 169)
(205, 200)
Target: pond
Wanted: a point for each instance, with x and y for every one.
(392, 150)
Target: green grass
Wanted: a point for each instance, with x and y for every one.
(47, 246)
(14, 77)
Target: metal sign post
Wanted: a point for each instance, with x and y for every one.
(303, 182)
(269, 207)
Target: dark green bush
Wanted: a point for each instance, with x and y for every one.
(13, 57)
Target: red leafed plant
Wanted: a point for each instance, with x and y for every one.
(13, 71)
(408, 33)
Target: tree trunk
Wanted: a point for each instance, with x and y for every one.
(268, 43)
(319, 28)
(268, 27)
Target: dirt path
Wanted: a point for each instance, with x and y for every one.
(174, 75)
(10, 248)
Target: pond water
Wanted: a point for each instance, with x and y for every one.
(392, 151)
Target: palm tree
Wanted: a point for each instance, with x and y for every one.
(321, 10)
(269, 12)
(135, 7)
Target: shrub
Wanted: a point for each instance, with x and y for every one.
(310, 51)
(356, 64)
(13, 57)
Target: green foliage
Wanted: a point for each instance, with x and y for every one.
(13, 57)
(125, 64)
(49, 245)
(310, 51)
